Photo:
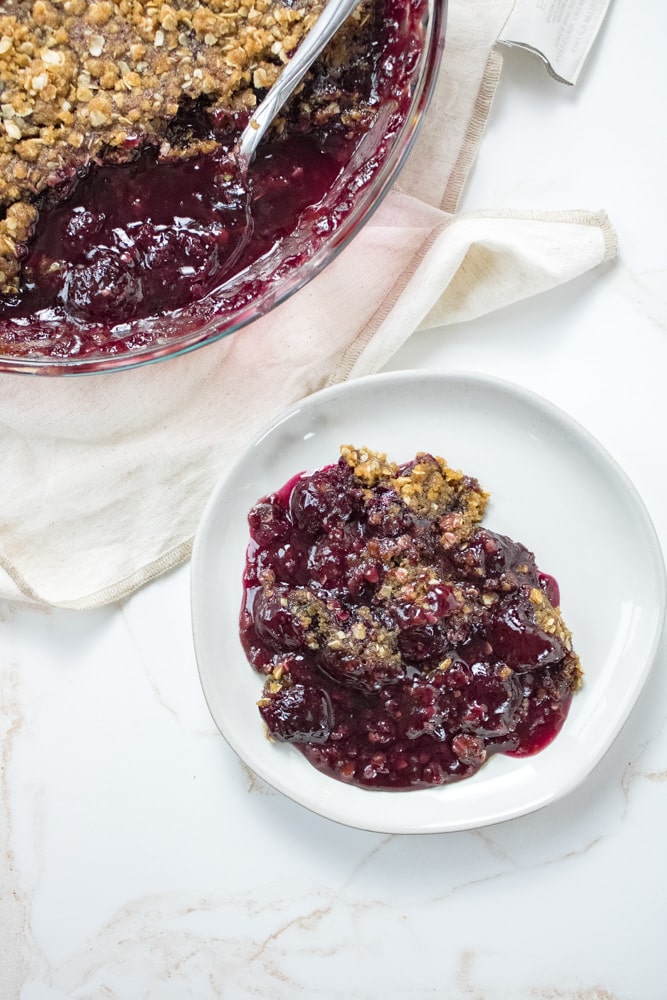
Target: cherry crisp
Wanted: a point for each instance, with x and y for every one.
(403, 643)
(124, 219)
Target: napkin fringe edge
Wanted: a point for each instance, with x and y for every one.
(349, 359)
(107, 595)
(474, 132)
(574, 216)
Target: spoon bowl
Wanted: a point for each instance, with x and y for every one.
(330, 20)
(236, 182)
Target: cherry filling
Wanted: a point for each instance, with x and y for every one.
(403, 644)
(131, 241)
(149, 236)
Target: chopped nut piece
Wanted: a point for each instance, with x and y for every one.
(96, 45)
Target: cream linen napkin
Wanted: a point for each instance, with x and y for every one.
(105, 477)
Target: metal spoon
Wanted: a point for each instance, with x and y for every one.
(236, 186)
(326, 26)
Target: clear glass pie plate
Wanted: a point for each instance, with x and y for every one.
(260, 287)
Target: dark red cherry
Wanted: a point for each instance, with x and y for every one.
(298, 714)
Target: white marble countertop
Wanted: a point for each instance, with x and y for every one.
(140, 858)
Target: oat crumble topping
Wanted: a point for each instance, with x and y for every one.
(429, 486)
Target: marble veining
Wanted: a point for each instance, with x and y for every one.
(269, 908)
(646, 290)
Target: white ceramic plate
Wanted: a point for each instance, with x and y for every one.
(552, 486)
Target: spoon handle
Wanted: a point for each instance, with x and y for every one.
(326, 26)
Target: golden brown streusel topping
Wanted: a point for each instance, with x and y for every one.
(550, 620)
(429, 487)
(82, 80)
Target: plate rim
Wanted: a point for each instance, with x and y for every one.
(534, 400)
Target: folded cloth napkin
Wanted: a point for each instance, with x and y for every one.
(105, 476)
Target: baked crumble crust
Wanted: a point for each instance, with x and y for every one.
(94, 81)
(428, 486)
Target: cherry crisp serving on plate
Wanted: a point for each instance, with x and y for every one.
(403, 643)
